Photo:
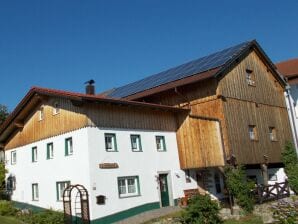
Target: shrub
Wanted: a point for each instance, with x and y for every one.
(7, 209)
(290, 160)
(201, 210)
(239, 187)
(286, 212)
(44, 217)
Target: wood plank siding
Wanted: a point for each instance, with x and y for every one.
(73, 117)
(236, 105)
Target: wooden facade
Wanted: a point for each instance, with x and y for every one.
(73, 116)
(236, 105)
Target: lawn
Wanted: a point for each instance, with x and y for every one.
(9, 220)
(245, 220)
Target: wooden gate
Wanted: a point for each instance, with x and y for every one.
(81, 208)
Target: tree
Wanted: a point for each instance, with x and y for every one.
(3, 113)
(290, 160)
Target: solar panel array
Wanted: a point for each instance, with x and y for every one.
(182, 71)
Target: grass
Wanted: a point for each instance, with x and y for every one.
(250, 219)
(9, 220)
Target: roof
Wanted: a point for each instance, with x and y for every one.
(288, 68)
(38, 91)
(198, 67)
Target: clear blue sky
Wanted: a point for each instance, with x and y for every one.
(63, 43)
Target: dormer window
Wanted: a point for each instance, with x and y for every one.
(56, 108)
(41, 114)
(250, 77)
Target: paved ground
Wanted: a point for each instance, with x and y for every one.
(146, 216)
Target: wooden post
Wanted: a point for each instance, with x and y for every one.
(264, 169)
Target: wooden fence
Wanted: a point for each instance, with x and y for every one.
(271, 192)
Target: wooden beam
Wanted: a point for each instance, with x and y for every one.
(19, 124)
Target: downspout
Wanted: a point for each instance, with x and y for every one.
(292, 117)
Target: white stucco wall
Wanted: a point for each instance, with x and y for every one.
(45, 172)
(146, 164)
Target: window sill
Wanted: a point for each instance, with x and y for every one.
(35, 199)
(161, 150)
(132, 196)
(111, 151)
(136, 150)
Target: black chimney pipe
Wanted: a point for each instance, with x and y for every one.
(90, 88)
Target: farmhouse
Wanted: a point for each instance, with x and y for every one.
(144, 145)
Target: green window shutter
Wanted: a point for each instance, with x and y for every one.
(115, 142)
(57, 191)
(140, 143)
(138, 185)
(32, 150)
(48, 151)
(66, 147)
(164, 143)
(32, 187)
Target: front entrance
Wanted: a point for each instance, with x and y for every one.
(164, 190)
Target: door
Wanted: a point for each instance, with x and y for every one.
(164, 190)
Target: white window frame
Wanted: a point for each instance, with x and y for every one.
(35, 192)
(60, 187)
(126, 189)
(68, 146)
(272, 134)
(160, 143)
(136, 145)
(252, 132)
(56, 108)
(41, 114)
(250, 77)
(13, 156)
(50, 150)
(34, 154)
(110, 146)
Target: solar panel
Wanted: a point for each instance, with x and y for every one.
(182, 71)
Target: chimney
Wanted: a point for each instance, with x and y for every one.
(90, 88)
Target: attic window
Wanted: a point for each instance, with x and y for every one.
(250, 77)
(41, 113)
(56, 108)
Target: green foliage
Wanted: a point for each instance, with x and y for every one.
(201, 210)
(44, 217)
(239, 187)
(286, 212)
(3, 171)
(290, 160)
(250, 219)
(3, 113)
(7, 209)
(9, 220)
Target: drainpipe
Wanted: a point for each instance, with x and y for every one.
(292, 116)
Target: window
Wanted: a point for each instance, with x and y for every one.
(187, 176)
(11, 183)
(136, 143)
(50, 150)
(250, 77)
(160, 143)
(60, 187)
(272, 177)
(272, 134)
(110, 141)
(35, 193)
(252, 132)
(68, 147)
(13, 157)
(34, 154)
(56, 108)
(217, 183)
(41, 113)
(128, 186)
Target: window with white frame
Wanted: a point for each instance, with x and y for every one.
(250, 77)
(41, 113)
(34, 154)
(50, 150)
(160, 143)
(128, 186)
(11, 183)
(35, 192)
(136, 143)
(60, 187)
(56, 108)
(252, 130)
(110, 142)
(68, 146)
(13, 157)
(272, 134)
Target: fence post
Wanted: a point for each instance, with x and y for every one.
(277, 190)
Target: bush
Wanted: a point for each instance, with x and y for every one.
(7, 209)
(239, 187)
(290, 160)
(286, 212)
(201, 210)
(44, 217)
